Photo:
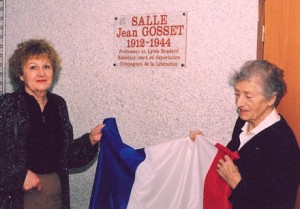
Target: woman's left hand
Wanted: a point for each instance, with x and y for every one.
(229, 171)
(95, 134)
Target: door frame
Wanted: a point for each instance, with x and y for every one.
(260, 30)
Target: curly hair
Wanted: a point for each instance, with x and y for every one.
(30, 48)
(271, 74)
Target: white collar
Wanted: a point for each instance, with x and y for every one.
(272, 118)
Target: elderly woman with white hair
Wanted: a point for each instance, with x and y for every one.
(267, 174)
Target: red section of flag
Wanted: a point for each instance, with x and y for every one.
(216, 190)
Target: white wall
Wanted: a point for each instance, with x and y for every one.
(151, 104)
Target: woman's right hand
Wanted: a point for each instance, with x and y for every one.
(194, 134)
(32, 181)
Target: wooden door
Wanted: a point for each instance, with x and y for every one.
(282, 47)
(281, 36)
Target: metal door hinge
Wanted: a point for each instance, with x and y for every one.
(263, 34)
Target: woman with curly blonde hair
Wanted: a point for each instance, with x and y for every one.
(36, 136)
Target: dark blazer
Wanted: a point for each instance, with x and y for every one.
(74, 153)
(269, 166)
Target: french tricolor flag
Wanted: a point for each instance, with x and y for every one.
(178, 174)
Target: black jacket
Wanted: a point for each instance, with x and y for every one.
(74, 153)
(269, 166)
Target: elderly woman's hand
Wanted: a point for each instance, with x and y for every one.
(194, 134)
(95, 134)
(229, 171)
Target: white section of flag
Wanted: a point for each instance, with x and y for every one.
(172, 175)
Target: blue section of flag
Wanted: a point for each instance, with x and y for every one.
(117, 164)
